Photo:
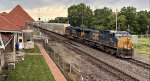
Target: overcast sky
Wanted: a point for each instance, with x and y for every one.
(49, 9)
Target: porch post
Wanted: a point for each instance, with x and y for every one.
(14, 49)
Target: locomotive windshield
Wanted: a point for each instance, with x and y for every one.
(122, 34)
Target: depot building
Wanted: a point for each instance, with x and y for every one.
(14, 30)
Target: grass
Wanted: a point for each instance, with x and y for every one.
(33, 68)
(143, 46)
(147, 40)
(33, 50)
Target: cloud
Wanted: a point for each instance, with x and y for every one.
(55, 8)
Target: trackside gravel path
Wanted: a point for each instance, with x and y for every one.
(52, 66)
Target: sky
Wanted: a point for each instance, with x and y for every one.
(49, 9)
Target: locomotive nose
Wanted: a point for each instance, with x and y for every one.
(129, 43)
(125, 42)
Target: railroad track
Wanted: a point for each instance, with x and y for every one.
(139, 63)
(94, 61)
(102, 65)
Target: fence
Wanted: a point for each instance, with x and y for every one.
(69, 71)
(143, 36)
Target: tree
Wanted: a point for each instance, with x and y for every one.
(130, 14)
(102, 13)
(99, 28)
(80, 14)
(59, 20)
(122, 23)
(103, 18)
(109, 22)
(142, 21)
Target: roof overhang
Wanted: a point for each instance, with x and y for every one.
(17, 31)
(28, 30)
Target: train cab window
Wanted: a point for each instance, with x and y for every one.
(118, 34)
(126, 34)
(113, 35)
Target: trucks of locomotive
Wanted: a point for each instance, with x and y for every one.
(115, 42)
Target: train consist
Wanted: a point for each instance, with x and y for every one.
(115, 42)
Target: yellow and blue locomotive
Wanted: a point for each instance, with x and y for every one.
(115, 42)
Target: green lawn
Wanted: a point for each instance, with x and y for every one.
(33, 68)
(33, 50)
(143, 46)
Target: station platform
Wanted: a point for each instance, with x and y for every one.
(52, 66)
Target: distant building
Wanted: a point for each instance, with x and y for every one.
(13, 29)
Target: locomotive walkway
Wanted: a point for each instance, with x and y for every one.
(52, 66)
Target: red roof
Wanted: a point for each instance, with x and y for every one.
(19, 16)
(6, 37)
(16, 19)
(7, 25)
(3, 14)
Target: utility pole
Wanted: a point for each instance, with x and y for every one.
(39, 15)
(128, 27)
(82, 17)
(116, 20)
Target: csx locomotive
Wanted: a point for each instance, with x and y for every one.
(114, 42)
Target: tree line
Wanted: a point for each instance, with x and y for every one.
(128, 18)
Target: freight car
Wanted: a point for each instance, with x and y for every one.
(115, 42)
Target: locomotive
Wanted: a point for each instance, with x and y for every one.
(114, 42)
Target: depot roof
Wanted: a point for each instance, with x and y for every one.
(15, 19)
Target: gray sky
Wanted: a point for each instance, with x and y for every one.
(49, 9)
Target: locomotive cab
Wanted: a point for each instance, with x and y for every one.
(124, 44)
(116, 42)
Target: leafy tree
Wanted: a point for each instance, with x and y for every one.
(142, 21)
(52, 21)
(110, 22)
(130, 14)
(80, 14)
(121, 23)
(99, 27)
(102, 13)
(103, 18)
(59, 20)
